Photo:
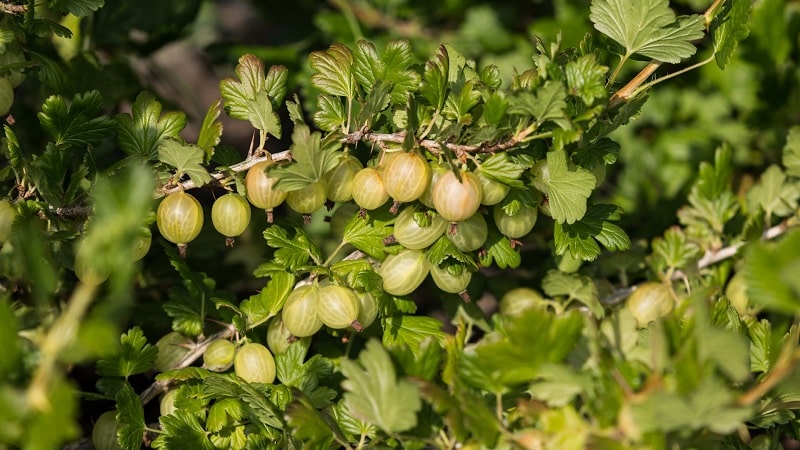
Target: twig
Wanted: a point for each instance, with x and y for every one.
(627, 91)
(715, 256)
(219, 175)
(13, 9)
(160, 386)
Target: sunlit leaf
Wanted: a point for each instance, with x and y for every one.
(376, 395)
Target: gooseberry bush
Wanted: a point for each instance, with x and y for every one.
(439, 259)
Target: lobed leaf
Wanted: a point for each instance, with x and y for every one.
(334, 68)
(648, 27)
(142, 132)
(568, 190)
(376, 395)
(728, 28)
(186, 159)
(135, 356)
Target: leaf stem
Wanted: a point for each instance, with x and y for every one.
(672, 75)
(617, 69)
(334, 253)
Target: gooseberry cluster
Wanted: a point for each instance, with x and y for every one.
(430, 199)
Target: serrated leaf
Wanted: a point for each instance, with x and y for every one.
(728, 28)
(444, 249)
(648, 27)
(276, 84)
(269, 301)
(309, 426)
(182, 430)
(434, 79)
(305, 376)
(334, 68)
(461, 100)
(411, 331)
(498, 250)
(770, 271)
(311, 159)
(291, 252)
(79, 8)
(367, 235)
(568, 190)
(349, 424)
(210, 131)
(390, 66)
(75, 122)
(142, 132)
(423, 362)
(580, 238)
(376, 395)
(573, 286)
(586, 78)
(675, 250)
(762, 348)
(249, 98)
(774, 194)
(546, 103)
(791, 152)
(134, 356)
(130, 418)
(535, 336)
(499, 167)
(330, 115)
(187, 159)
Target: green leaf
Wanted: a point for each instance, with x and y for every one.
(546, 103)
(648, 27)
(249, 98)
(774, 194)
(309, 425)
(586, 79)
(434, 79)
(79, 8)
(76, 123)
(269, 301)
(411, 331)
(305, 376)
(186, 159)
(675, 250)
(762, 352)
(770, 271)
(330, 115)
(260, 405)
(210, 131)
(714, 180)
(567, 190)
(423, 362)
(557, 385)
(130, 418)
(498, 250)
(311, 158)
(573, 286)
(535, 337)
(391, 66)
(444, 249)
(728, 28)
(182, 430)
(135, 356)
(463, 97)
(376, 395)
(141, 133)
(791, 152)
(334, 68)
(499, 167)
(291, 252)
(275, 84)
(579, 238)
(367, 234)
(349, 424)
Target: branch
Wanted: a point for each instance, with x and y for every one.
(221, 174)
(13, 9)
(435, 147)
(715, 256)
(193, 355)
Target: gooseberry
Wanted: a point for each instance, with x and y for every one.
(457, 200)
(179, 219)
(254, 363)
(230, 216)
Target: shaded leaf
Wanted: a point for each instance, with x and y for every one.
(142, 132)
